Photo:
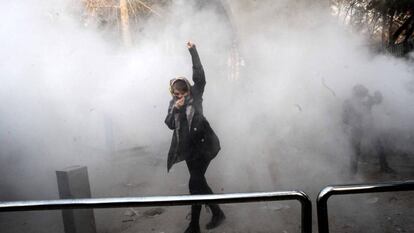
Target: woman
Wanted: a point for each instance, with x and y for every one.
(193, 139)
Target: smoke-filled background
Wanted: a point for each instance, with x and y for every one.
(75, 92)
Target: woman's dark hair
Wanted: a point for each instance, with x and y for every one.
(180, 85)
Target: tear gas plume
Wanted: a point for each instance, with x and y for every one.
(73, 94)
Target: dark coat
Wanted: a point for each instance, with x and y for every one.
(200, 141)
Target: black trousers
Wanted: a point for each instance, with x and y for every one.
(198, 185)
(379, 149)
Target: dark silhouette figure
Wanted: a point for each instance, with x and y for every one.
(358, 122)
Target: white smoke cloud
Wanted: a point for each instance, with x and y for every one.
(67, 89)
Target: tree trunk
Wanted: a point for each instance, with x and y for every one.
(126, 35)
(391, 22)
(409, 31)
(401, 29)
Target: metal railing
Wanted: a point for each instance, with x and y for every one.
(327, 192)
(94, 203)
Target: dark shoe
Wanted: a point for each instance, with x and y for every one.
(216, 220)
(192, 228)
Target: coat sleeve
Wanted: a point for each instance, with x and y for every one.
(169, 120)
(199, 78)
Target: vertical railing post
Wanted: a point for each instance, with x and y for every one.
(73, 182)
(306, 209)
(322, 210)
(327, 192)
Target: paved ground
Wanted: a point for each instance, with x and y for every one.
(385, 212)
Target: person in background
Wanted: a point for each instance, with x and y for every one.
(358, 121)
(193, 140)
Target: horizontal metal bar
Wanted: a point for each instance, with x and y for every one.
(327, 192)
(147, 201)
(167, 201)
